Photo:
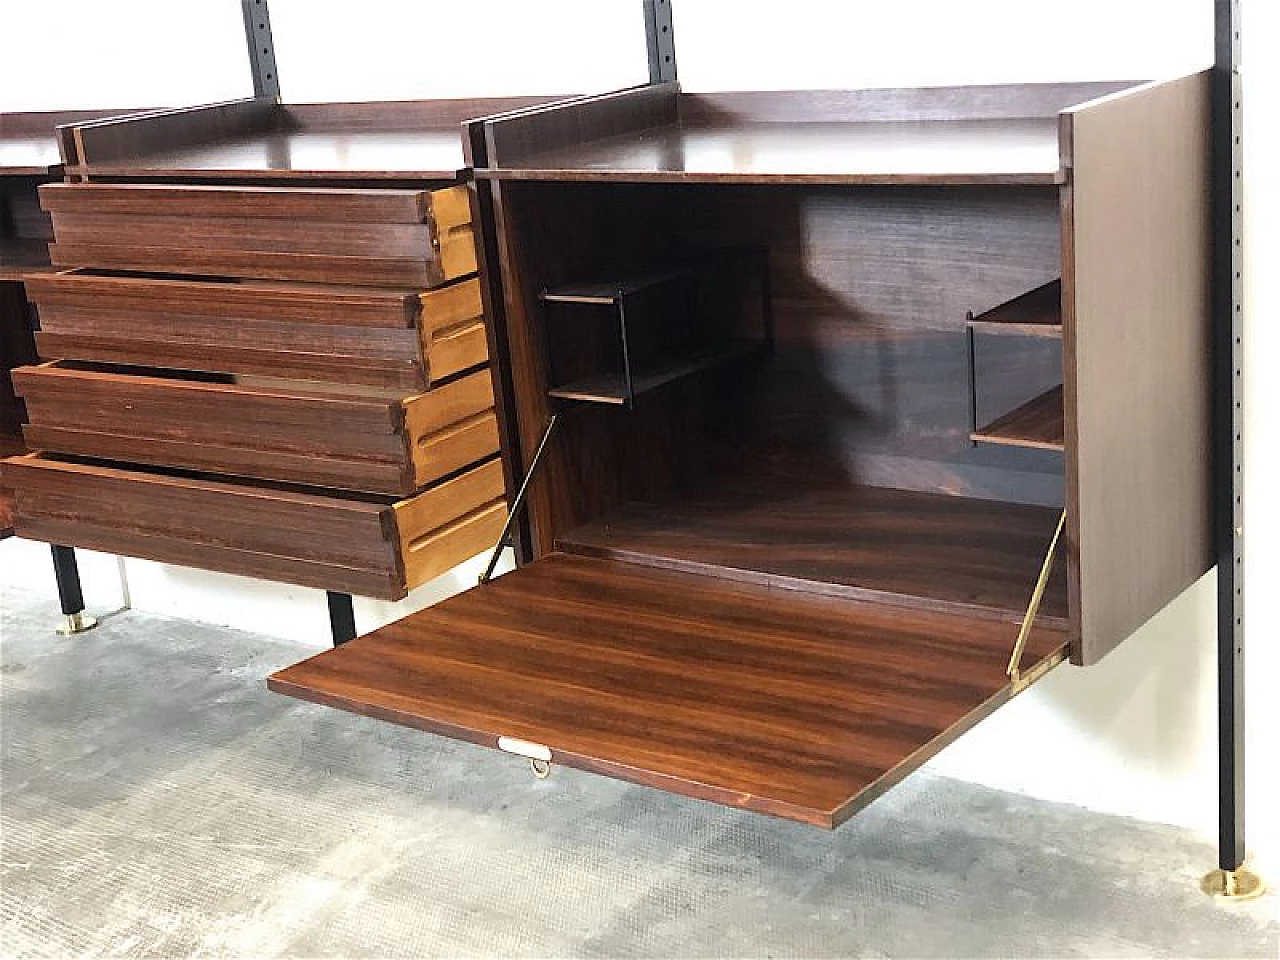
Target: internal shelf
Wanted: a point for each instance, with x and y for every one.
(800, 706)
(608, 292)
(611, 388)
(1037, 313)
(899, 546)
(1038, 423)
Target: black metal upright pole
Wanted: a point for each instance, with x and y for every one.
(261, 46)
(1231, 879)
(342, 617)
(661, 40)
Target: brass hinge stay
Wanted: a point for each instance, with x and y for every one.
(1014, 670)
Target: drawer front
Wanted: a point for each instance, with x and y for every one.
(264, 431)
(325, 542)
(450, 523)
(395, 338)
(333, 334)
(418, 238)
(369, 547)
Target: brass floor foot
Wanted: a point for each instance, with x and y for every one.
(1242, 884)
(76, 623)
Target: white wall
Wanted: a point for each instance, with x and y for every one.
(1134, 735)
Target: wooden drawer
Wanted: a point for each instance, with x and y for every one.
(362, 545)
(374, 441)
(366, 335)
(416, 238)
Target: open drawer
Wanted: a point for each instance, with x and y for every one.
(373, 441)
(788, 703)
(415, 238)
(376, 547)
(396, 337)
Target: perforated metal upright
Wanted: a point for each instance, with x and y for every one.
(261, 47)
(1231, 878)
(661, 40)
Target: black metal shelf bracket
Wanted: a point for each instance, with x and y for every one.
(1232, 879)
(262, 49)
(661, 40)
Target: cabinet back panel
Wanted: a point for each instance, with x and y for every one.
(868, 382)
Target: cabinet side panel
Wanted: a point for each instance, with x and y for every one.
(1137, 352)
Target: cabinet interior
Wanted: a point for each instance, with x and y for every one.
(840, 460)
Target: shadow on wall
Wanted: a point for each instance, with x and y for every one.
(1134, 735)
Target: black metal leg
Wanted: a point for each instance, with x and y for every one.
(342, 617)
(70, 596)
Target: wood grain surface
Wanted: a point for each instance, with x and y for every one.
(869, 543)
(1036, 313)
(408, 140)
(1023, 151)
(324, 235)
(1137, 355)
(336, 334)
(1037, 423)
(789, 704)
(295, 432)
(345, 542)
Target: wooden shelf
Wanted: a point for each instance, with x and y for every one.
(1037, 313)
(931, 152)
(860, 542)
(612, 388)
(252, 139)
(28, 140)
(785, 703)
(606, 293)
(367, 154)
(1037, 423)
(20, 259)
(28, 156)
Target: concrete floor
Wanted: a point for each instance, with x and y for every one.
(157, 800)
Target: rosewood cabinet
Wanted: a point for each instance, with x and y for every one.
(28, 157)
(974, 444)
(263, 348)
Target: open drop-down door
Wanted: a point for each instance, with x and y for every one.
(794, 704)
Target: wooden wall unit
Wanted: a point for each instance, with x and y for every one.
(28, 157)
(784, 581)
(264, 345)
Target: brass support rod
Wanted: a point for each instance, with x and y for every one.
(1033, 607)
(514, 512)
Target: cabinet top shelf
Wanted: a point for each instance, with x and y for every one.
(29, 141)
(28, 156)
(962, 135)
(259, 138)
(932, 151)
